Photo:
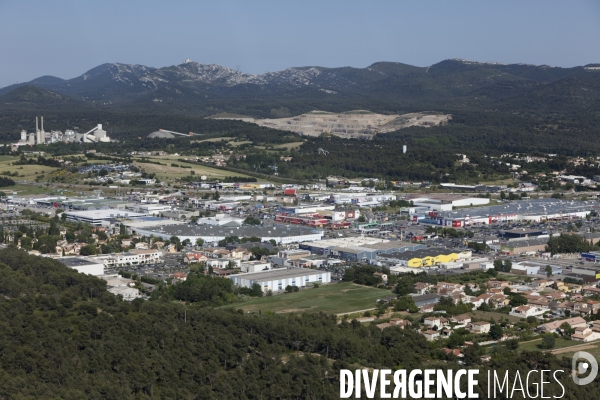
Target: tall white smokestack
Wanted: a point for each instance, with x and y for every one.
(36, 124)
(42, 124)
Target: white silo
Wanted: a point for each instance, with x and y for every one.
(403, 149)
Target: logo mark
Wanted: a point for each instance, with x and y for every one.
(590, 364)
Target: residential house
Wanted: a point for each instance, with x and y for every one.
(498, 301)
(480, 327)
(180, 276)
(435, 321)
(455, 352)
(431, 335)
(221, 263)
(576, 322)
(460, 320)
(479, 300)
(241, 254)
(585, 334)
(493, 284)
(194, 258)
(446, 289)
(527, 311)
(400, 323)
(422, 287)
(542, 283)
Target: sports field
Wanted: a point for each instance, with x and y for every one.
(333, 299)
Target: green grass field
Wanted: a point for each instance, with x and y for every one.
(592, 348)
(561, 343)
(167, 172)
(333, 299)
(26, 172)
(288, 145)
(23, 190)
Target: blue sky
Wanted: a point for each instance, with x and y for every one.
(65, 38)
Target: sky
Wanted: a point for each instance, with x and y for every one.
(65, 38)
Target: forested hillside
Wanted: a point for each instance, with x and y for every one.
(495, 109)
(63, 336)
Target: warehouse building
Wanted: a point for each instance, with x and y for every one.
(428, 257)
(446, 202)
(537, 210)
(520, 233)
(277, 280)
(101, 217)
(358, 248)
(282, 234)
(523, 246)
(587, 271)
(84, 265)
(526, 268)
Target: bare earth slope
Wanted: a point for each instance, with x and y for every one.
(351, 124)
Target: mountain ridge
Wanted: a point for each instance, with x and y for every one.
(387, 87)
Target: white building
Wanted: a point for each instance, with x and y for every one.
(222, 263)
(84, 265)
(128, 293)
(278, 279)
(528, 311)
(132, 257)
(96, 217)
(255, 266)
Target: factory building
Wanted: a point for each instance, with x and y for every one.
(277, 280)
(41, 137)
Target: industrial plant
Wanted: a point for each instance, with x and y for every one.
(41, 137)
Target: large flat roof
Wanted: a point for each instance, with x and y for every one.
(277, 230)
(430, 252)
(105, 214)
(77, 261)
(525, 207)
(278, 274)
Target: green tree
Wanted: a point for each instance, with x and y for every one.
(548, 270)
(548, 341)
(406, 303)
(251, 220)
(291, 289)
(498, 265)
(566, 330)
(45, 244)
(89, 250)
(496, 331)
(517, 300)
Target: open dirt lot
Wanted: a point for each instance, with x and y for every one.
(352, 124)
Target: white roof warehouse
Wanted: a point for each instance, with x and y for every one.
(278, 279)
(282, 234)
